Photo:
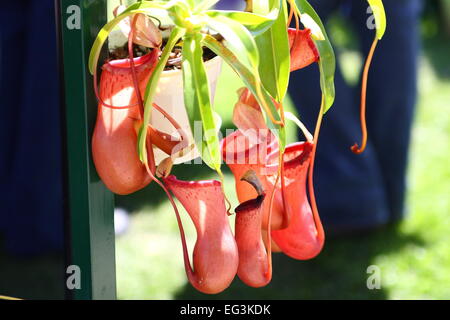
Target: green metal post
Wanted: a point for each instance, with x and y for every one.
(90, 220)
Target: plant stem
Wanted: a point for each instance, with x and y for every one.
(133, 66)
(281, 173)
(312, 197)
(137, 90)
(187, 263)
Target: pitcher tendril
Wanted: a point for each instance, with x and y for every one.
(356, 148)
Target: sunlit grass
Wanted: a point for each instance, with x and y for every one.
(422, 270)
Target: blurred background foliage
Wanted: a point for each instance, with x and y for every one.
(413, 256)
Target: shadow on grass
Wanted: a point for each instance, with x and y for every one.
(338, 273)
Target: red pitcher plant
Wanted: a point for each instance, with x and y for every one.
(277, 208)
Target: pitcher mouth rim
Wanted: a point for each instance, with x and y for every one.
(192, 184)
(125, 63)
(141, 62)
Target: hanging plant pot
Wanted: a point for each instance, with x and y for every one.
(169, 96)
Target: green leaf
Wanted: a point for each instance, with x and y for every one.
(309, 23)
(198, 102)
(327, 62)
(273, 45)
(380, 16)
(252, 82)
(255, 23)
(205, 5)
(238, 39)
(150, 90)
(302, 127)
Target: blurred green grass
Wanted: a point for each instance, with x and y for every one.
(413, 256)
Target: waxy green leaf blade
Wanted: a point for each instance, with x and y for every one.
(327, 62)
(251, 82)
(198, 101)
(238, 39)
(273, 45)
(150, 90)
(255, 23)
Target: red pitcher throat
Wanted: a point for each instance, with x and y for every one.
(303, 50)
(301, 239)
(241, 155)
(215, 254)
(119, 92)
(124, 65)
(115, 137)
(255, 268)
